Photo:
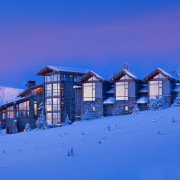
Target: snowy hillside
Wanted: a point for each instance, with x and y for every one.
(131, 147)
(8, 94)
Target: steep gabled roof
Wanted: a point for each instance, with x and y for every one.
(61, 69)
(29, 90)
(124, 72)
(90, 74)
(169, 76)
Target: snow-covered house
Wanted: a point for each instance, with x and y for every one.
(162, 83)
(24, 109)
(93, 92)
(59, 92)
(126, 87)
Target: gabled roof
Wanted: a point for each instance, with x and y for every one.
(29, 90)
(144, 89)
(90, 74)
(60, 69)
(169, 76)
(124, 72)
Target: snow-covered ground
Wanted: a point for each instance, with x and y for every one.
(131, 147)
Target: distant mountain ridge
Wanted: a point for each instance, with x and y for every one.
(8, 94)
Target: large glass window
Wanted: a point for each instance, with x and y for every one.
(121, 90)
(10, 112)
(56, 89)
(49, 104)
(4, 114)
(49, 118)
(155, 88)
(48, 90)
(53, 118)
(52, 78)
(56, 104)
(89, 91)
(56, 118)
(23, 110)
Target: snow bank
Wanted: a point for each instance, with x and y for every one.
(141, 146)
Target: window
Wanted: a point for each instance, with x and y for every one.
(35, 108)
(89, 91)
(56, 104)
(48, 104)
(159, 76)
(125, 77)
(93, 79)
(53, 118)
(48, 90)
(155, 88)
(126, 108)
(49, 118)
(56, 89)
(10, 112)
(56, 118)
(52, 78)
(121, 90)
(23, 110)
(94, 109)
(4, 114)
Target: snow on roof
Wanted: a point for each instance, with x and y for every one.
(109, 100)
(142, 100)
(8, 95)
(177, 88)
(110, 91)
(100, 77)
(144, 90)
(68, 69)
(131, 74)
(77, 87)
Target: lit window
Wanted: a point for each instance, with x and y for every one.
(121, 90)
(22, 110)
(56, 118)
(10, 112)
(126, 108)
(56, 104)
(49, 118)
(56, 89)
(155, 88)
(35, 108)
(48, 104)
(89, 91)
(48, 90)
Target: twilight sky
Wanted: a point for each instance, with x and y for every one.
(93, 34)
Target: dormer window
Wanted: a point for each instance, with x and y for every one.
(89, 92)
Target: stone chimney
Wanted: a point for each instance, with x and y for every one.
(31, 84)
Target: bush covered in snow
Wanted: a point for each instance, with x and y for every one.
(158, 103)
(177, 100)
(67, 120)
(136, 109)
(27, 128)
(90, 114)
(41, 123)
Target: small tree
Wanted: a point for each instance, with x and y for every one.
(177, 100)
(136, 109)
(27, 128)
(67, 120)
(158, 103)
(41, 123)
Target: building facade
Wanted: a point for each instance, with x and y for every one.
(75, 92)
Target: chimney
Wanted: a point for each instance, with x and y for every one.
(31, 84)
